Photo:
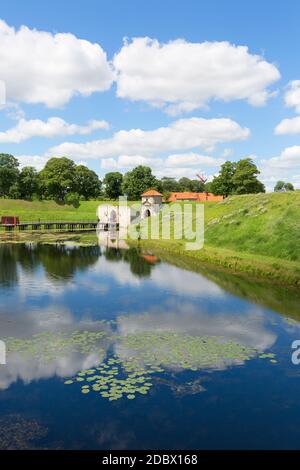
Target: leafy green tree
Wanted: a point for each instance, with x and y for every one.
(237, 178)
(28, 182)
(14, 191)
(113, 184)
(197, 186)
(73, 199)
(9, 172)
(87, 182)
(279, 186)
(58, 178)
(169, 184)
(282, 186)
(138, 180)
(245, 179)
(208, 187)
(289, 187)
(184, 184)
(223, 183)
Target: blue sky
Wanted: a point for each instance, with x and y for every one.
(215, 80)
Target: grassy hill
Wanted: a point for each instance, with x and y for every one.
(265, 224)
(258, 235)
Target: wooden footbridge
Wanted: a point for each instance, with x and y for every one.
(50, 226)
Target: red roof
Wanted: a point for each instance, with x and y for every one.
(150, 258)
(190, 196)
(151, 192)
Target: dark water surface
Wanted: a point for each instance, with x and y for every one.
(215, 355)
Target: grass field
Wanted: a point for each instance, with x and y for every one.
(29, 211)
(50, 211)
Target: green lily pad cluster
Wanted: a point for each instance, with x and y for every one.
(128, 374)
(183, 351)
(138, 357)
(270, 356)
(48, 346)
(109, 381)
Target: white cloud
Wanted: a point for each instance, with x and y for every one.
(53, 127)
(135, 160)
(130, 161)
(282, 167)
(183, 134)
(176, 172)
(227, 152)
(192, 159)
(288, 126)
(182, 76)
(288, 159)
(109, 163)
(37, 161)
(41, 67)
(292, 95)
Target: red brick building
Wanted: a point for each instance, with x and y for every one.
(189, 196)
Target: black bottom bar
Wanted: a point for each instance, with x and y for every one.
(135, 459)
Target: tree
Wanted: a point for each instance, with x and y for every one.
(113, 184)
(169, 184)
(9, 172)
(208, 187)
(58, 178)
(184, 184)
(138, 180)
(87, 182)
(279, 186)
(28, 182)
(245, 179)
(73, 199)
(282, 186)
(289, 187)
(223, 183)
(14, 191)
(197, 186)
(237, 178)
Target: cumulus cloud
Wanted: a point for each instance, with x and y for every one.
(183, 134)
(130, 161)
(192, 159)
(53, 127)
(41, 67)
(288, 126)
(37, 161)
(289, 158)
(292, 95)
(135, 160)
(182, 76)
(285, 166)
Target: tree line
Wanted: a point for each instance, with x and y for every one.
(64, 181)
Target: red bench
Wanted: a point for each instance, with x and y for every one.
(9, 220)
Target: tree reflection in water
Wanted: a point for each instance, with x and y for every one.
(61, 261)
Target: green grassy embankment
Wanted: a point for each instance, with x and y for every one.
(253, 234)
